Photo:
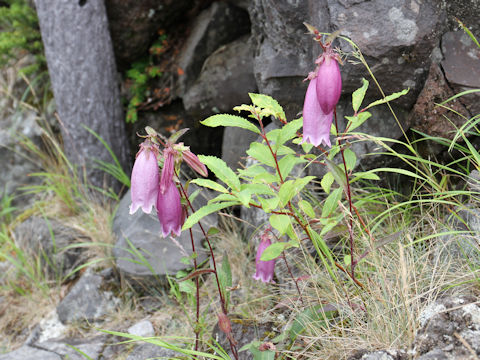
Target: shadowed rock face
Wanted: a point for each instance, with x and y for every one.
(134, 24)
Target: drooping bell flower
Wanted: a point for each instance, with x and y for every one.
(316, 124)
(322, 96)
(264, 269)
(144, 180)
(169, 210)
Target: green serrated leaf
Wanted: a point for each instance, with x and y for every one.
(327, 181)
(286, 164)
(388, 98)
(258, 189)
(223, 197)
(221, 171)
(337, 173)
(331, 203)
(314, 317)
(288, 132)
(204, 211)
(365, 175)
(244, 107)
(261, 153)
(274, 251)
(350, 159)
(307, 208)
(225, 277)
(285, 150)
(229, 120)
(347, 259)
(358, 95)
(280, 223)
(286, 192)
(269, 105)
(300, 183)
(356, 121)
(252, 170)
(210, 184)
(269, 204)
(213, 231)
(244, 197)
(266, 177)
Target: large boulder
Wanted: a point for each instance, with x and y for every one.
(218, 25)
(397, 43)
(87, 300)
(141, 253)
(53, 242)
(285, 55)
(224, 82)
(461, 66)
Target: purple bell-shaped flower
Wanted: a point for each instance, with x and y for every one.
(169, 210)
(144, 180)
(322, 96)
(264, 269)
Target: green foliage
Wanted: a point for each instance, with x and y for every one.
(139, 78)
(20, 33)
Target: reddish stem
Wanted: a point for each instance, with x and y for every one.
(222, 300)
(349, 197)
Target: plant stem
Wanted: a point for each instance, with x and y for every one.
(197, 296)
(293, 278)
(349, 197)
(222, 300)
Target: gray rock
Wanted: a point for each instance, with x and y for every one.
(399, 41)
(91, 347)
(15, 171)
(448, 323)
(142, 255)
(30, 353)
(218, 25)
(462, 67)
(149, 351)
(143, 328)
(224, 82)
(284, 55)
(243, 332)
(462, 245)
(86, 301)
(236, 142)
(52, 242)
(468, 11)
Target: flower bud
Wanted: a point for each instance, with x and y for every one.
(194, 162)
(144, 180)
(224, 323)
(169, 210)
(264, 269)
